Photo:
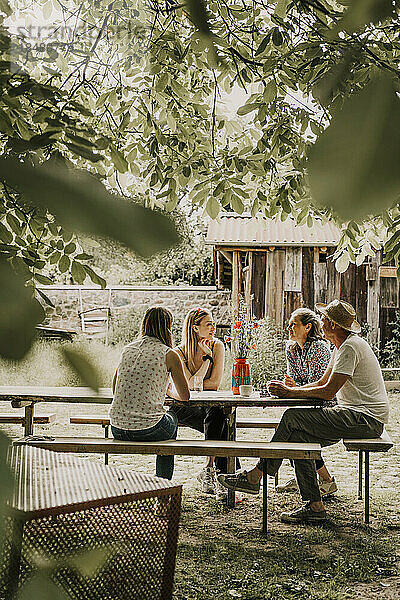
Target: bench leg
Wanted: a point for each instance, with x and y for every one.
(265, 499)
(231, 460)
(106, 429)
(360, 474)
(366, 488)
(28, 419)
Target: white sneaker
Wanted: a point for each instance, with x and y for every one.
(289, 486)
(221, 492)
(327, 487)
(206, 477)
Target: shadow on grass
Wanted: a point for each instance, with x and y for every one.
(222, 554)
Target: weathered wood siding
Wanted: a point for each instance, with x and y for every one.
(275, 270)
(258, 283)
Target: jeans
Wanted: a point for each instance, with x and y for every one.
(210, 421)
(165, 429)
(323, 426)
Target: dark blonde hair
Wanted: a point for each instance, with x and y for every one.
(306, 316)
(157, 322)
(190, 338)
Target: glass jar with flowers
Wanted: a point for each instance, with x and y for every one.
(243, 338)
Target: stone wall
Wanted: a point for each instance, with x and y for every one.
(69, 300)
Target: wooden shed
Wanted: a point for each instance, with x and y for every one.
(280, 266)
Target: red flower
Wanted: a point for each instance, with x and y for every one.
(256, 325)
(254, 346)
(238, 324)
(227, 338)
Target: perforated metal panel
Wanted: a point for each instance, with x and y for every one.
(122, 550)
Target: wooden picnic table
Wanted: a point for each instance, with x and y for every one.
(57, 496)
(27, 397)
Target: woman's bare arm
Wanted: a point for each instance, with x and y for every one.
(214, 381)
(174, 366)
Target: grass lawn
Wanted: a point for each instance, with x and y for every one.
(222, 554)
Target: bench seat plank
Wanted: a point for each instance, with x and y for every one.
(181, 447)
(257, 422)
(20, 419)
(241, 422)
(380, 444)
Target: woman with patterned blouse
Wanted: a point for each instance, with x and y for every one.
(307, 357)
(140, 385)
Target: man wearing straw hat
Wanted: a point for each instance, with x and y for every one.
(354, 376)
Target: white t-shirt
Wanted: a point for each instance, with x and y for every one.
(364, 391)
(141, 385)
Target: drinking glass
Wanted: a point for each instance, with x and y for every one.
(197, 384)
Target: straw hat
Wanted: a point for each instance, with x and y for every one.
(341, 313)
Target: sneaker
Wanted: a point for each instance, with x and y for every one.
(289, 486)
(220, 491)
(304, 515)
(206, 477)
(239, 483)
(327, 487)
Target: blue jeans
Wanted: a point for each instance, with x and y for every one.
(165, 429)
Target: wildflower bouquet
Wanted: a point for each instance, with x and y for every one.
(244, 333)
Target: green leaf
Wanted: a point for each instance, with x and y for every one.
(281, 8)
(354, 165)
(83, 367)
(236, 204)
(361, 12)
(213, 207)
(342, 263)
(269, 93)
(44, 297)
(247, 108)
(94, 277)
(43, 279)
(119, 160)
(84, 152)
(78, 272)
(63, 264)
(81, 203)
(263, 45)
(5, 235)
(19, 314)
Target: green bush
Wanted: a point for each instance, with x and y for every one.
(125, 326)
(44, 365)
(268, 361)
(390, 355)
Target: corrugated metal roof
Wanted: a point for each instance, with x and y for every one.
(238, 230)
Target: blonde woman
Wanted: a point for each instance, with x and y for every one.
(140, 384)
(203, 356)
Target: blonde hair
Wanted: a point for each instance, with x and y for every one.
(190, 338)
(157, 322)
(306, 316)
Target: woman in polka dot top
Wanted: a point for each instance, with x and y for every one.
(140, 384)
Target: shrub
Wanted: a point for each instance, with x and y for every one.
(125, 326)
(268, 361)
(44, 364)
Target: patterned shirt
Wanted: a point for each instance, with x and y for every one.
(308, 364)
(141, 385)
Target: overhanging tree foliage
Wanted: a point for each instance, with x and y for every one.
(132, 93)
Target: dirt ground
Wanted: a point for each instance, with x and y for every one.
(222, 554)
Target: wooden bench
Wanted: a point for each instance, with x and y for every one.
(15, 419)
(364, 447)
(104, 421)
(184, 447)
